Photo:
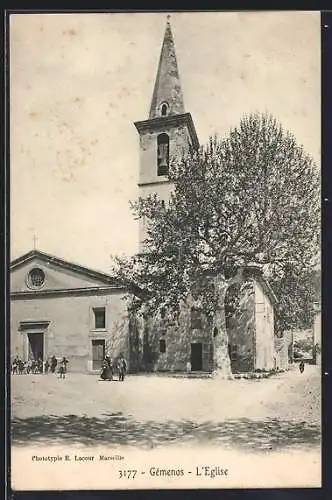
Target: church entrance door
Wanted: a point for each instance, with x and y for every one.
(36, 346)
(196, 357)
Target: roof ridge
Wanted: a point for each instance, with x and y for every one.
(60, 261)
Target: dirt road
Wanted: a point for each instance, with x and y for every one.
(281, 411)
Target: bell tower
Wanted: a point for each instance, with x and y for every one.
(167, 132)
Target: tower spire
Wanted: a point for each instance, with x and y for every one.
(167, 89)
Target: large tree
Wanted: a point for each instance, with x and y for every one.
(251, 197)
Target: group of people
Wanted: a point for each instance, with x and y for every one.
(21, 367)
(35, 366)
(52, 365)
(108, 368)
(62, 366)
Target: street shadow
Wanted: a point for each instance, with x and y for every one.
(116, 429)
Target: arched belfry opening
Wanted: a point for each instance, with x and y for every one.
(164, 109)
(163, 154)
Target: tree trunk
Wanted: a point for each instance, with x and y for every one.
(221, 361)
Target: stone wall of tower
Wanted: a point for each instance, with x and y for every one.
(179, 140)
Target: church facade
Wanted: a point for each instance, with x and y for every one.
(63, 309)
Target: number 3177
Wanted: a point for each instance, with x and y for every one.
(128, 473)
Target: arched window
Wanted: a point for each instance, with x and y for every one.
(163, 154)
(164, 109)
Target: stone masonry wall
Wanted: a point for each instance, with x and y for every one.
(216, 337)
(178, 141)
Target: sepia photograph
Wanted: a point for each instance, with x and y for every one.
(165, 274)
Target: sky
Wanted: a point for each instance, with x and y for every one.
(78, 82)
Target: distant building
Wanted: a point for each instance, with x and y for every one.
(63, 309)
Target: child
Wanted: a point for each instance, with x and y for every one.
(63, 368)
(122, 367)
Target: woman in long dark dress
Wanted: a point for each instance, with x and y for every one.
(109, 368)
(104, 369)
(54, 362)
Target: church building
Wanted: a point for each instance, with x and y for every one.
(63, 309)
(239, 342)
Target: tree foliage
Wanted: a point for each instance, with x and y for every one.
(249, 198)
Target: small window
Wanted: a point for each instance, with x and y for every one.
(215, 331)
(99, 314)
(162, 345)
(163, 154)
(196, 318)
(162, 203)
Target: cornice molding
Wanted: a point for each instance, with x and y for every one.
(31, 325)
(35, 294)
(159, 123)
(154, 183)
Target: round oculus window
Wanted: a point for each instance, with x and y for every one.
(36, 278)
